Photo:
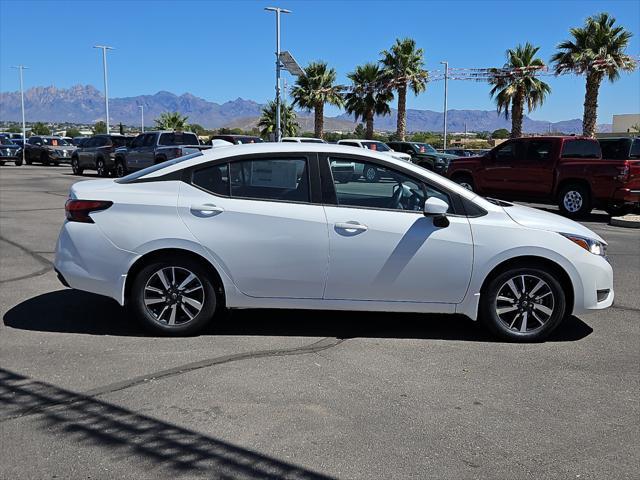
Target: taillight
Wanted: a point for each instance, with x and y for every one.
(624, 172)
(79, 210)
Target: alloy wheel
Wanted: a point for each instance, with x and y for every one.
(525, 303)
(100, 168)
(572, 201)
(174, 296)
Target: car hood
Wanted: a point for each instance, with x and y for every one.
(541, 220)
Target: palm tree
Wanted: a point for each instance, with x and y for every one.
(171, 121)
(403, 68)
(368, 97)
(513, 88)
(288, 122)
(596, 50)
(315, 88)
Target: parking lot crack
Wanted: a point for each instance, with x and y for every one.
(45, 262)
(323, 344)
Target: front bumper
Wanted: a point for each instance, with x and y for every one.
(594, 288)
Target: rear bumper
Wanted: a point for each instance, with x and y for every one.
(86, 260)
(627, 195)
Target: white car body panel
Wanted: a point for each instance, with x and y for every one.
(272, 254)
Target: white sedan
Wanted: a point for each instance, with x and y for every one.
(267, 226)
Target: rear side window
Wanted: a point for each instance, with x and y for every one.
(178, 138)
(539, 150)
(635, 149)
(119, 141)
(581, 149)
(149, 140)
(214, 179)
(270, 179)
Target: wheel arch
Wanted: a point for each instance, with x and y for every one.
(573, 181)
(535, 261)
(155, 255)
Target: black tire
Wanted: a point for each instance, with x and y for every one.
(524, 306)
(121, 169)
(101, 168)
(44, 158)
(152, 316)
(574, 200)
(1, 164)
(465, 181)
(18, 163)
(618, 210)
(370, 174)
(75, 166)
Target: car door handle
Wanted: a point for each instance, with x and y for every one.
(351, 226)
(207, 210)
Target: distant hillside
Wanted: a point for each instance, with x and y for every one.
(85, 104)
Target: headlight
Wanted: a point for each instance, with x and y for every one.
(594, 246)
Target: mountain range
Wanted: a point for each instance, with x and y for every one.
(84, 104)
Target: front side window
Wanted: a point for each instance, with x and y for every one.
(376, 146)
(506, 152)
(367, 185)
(581, 149)
(34, 140)
(270, 179)
(149, 140)
(137, 142)
(539, 150)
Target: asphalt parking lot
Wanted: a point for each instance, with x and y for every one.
(85, 393)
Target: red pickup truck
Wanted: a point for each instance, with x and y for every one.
(578, 173)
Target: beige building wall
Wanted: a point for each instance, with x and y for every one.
(624, 123)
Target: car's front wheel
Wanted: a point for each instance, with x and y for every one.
(174, 296)
(523, 304)
(121, 169)
(101, 168)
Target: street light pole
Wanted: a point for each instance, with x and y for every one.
(104, 49)
(446, 80)
(24, 125)
(278, 11)
(141, 107)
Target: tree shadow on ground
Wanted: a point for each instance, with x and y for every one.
(89, 421)
(73, 311)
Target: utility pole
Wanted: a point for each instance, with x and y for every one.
(141, 107)
(284, 88)
(278, 11)
(24, 125)
(104, 49)
(446, 80)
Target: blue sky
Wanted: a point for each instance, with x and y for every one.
(224, 50)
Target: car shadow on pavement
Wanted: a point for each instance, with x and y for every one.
(89, 421)
(73, 311)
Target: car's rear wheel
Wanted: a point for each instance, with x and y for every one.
(44, 158)
(523, 304)
(174, 296)
(75, 166)
(101, 168)
(18, 162)
(121, 169)
(574, 200)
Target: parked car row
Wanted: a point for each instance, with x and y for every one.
(576, 173)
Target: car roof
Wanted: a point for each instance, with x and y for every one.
(220, 153)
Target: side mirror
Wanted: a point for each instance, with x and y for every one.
(437, 208)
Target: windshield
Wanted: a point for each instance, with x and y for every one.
(54, 142)
(154, 168)
(376, 146)
(6, 141)
(119, 141)
(423, 147)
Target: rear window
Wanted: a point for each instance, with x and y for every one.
(178, 138)
(311, 140)
(581, 149)
(119, 141)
